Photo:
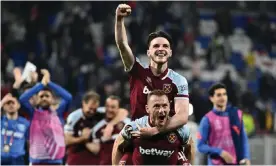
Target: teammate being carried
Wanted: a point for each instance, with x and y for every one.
(161, 149)
(144, 79)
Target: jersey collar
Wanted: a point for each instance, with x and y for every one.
(162, 76)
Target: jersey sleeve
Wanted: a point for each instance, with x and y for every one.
(137, 68)
(69, 126)
(184, 133)
(72, 120)
(182, 87)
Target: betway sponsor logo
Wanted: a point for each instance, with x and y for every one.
(146, 90)
(156, 152)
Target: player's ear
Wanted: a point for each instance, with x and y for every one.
(211, 98)
(147, 108)
(170, 53)
(18, 105)
(148, 53)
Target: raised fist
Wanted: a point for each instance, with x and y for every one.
(123, 10)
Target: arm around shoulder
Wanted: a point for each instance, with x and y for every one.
(181, 103)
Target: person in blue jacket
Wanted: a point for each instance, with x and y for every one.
(14, 132)
(221, 131)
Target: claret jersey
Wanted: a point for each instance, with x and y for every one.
(142, 81)
(161, 149)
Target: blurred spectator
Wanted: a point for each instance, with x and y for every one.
(267, 85)
(249, 123)
(231, 88)
(240, 42)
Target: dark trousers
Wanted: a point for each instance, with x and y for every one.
(12, 160)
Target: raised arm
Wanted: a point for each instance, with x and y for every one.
(25, 97)
(127, 56)
(64, 94)
(19, 81)
(60, 91)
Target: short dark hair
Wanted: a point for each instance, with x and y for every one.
(91, 95)
(156, 92)
(156, 34)
(47, 89)
(115, 98)
(214, 87)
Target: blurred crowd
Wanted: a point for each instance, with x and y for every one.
(233, 43)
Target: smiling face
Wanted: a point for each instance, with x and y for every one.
(159, 50)
(158, 109)
(220, 98)
(90, 107)
(112, 108)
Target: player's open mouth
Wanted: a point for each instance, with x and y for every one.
(161, 117)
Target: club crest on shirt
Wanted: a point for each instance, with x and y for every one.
(167, 88)
(172, 138)
(21, 127)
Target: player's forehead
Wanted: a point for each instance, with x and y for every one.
(44, 92)
(91, 102)
(11, 101)
(154, 99)
(159, 41)
(110, 101)
(220, 91)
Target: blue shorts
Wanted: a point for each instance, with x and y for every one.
(12, 160)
